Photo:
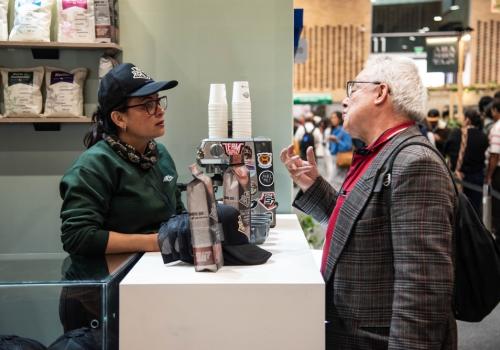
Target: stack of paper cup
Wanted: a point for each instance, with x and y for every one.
(242, 110)
(217, 111)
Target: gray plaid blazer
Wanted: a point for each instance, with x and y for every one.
(390, 280)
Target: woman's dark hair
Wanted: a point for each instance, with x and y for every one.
(496, 104)
(483, 103)
(433, 113)
(102, 125)
(339, 115)
(474, 117)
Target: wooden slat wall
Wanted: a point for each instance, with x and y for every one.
(487, 52)
(335, 54)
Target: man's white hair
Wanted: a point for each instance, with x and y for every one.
(408, 93)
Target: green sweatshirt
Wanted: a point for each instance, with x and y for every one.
(102, 192)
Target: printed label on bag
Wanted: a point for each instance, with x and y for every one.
(74, 3)
(203, 256)
(61, 77)
(25, 78)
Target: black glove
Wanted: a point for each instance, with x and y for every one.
(174, 239)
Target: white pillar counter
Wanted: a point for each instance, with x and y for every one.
(278, 305)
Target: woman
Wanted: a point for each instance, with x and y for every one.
(338, 141)
(471, 156)
(123, 186)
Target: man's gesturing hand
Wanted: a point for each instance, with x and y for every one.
(302, 172)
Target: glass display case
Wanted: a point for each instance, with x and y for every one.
(55, 299)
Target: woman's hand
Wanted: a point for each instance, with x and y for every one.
(302, 172)
(333, 138)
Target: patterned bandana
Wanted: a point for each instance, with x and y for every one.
(144, 161)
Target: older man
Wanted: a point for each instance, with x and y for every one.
(388, 266)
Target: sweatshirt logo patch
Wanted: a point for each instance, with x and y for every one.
(168, 178)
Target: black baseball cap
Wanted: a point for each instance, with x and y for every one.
(127, 80)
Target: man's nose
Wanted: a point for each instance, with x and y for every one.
(345, 101)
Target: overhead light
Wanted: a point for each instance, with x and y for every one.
(438, 18)
(454, 7)
(412, 38)
(466, 37)
(425, 29)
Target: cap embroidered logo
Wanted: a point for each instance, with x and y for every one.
(139, 74)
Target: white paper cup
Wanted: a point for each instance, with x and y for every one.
(217, 94)
(241, 91)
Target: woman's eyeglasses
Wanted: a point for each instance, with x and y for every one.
(151, 106)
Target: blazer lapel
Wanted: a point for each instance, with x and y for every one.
(358, 198)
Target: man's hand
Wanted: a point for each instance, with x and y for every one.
(302, 172)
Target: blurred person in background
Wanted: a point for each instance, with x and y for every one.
(338, 140)
(439, 127)
(493, 170)
(308, 135)
(470, 163)
(319, 147)
(484, 106)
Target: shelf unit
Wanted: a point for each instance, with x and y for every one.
(110, 48)
(50, 50)
(76, 120)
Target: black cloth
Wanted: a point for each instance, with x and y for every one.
(477, 143)
(78, 339)
(495, 203)
(475, 197)
(452, 147)
(13, 342)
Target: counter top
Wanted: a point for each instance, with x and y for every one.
(291, 262)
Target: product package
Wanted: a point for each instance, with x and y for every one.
(4, 30)
(206, 231)
(237, 194)
(64, 92)
(105, 21)
(106, 63)
(21, 91)
(32, 20)
(76, 21)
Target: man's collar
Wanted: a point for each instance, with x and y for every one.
(384, 137)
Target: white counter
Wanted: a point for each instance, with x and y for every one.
(278, 305)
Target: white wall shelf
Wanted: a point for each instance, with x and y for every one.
(112, 47)
(78, 120)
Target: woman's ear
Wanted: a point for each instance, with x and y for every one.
(119, 119)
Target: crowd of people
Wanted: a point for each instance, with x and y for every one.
(471, 148)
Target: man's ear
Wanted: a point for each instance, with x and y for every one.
(383, 94)
(119, 119)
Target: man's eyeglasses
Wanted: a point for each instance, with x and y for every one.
(151, 106)
(352, 83)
